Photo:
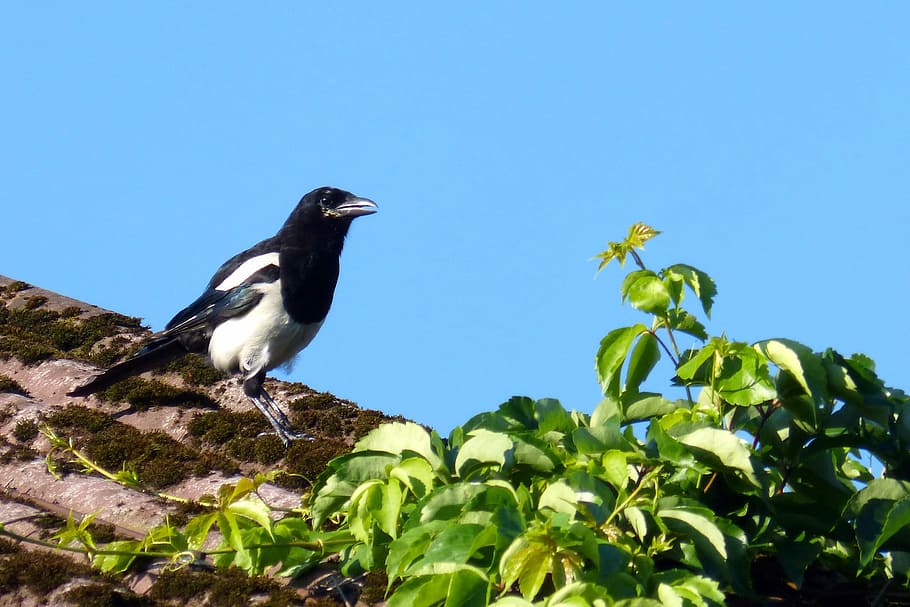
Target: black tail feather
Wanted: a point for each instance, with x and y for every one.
(155, 354)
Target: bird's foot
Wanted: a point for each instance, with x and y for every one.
(287, 436)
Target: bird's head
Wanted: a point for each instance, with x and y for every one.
(328, 209)
(333, 203)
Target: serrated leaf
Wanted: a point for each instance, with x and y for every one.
(642, 360)
(680, 320)
(639, 234)
(645, 291)
(744, 378)
(611, 355)
(701, 284)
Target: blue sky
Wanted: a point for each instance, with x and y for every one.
(145, 143)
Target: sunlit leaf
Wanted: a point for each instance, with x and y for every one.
(611, 355)
(701, 284)
(644, 356)
(645, 291)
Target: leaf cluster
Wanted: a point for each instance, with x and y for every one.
(770, 453)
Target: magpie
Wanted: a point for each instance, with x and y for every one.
(262, 306)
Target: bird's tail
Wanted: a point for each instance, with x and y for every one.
(159, 351)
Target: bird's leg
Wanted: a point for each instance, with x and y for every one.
(282, 418)
(257, 395)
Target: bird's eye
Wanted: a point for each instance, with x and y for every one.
(324, 201)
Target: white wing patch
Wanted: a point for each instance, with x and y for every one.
(247, 269)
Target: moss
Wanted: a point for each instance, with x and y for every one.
(295, 387)
(33, 333)
(374, 587)
(77, 417)
(195, 370)
(70, 312)
(8, 546)
(25, 430)
(39, 571)
(143, 394)
(229, 588)
(35, 301)
(16, 286)
(104, 595)
(158, 459)
(10, 385)
(306, 460)
(220, 427)
(14, 452)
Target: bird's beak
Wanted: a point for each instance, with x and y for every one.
(355, 207)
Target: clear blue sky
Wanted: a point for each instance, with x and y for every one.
(142, 144)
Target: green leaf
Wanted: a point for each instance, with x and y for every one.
(638, 234)
(411, 546)
(744, 378)
(415, 473)
(727, 449)
(701, 284)
(880, 510)
(645, 291)
(455, 543)
(197, 529)
(450, 586)
(695, 363)
(446, 502)
(483, 449)
(611, 355)
(559, 497)
(552, 416)
(230, 530)
(707, 537)
(644, 356)
(344, 474)
(647, 405)
(797, 360)
(254, 509)
(680, 320)
(117, 563)
(616, 468)
(398, 438)
(527, 563)
(604, 412)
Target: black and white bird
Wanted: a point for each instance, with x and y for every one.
(262, 306)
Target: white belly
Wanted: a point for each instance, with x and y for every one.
(264, 338)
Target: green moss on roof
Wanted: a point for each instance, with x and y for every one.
(159, 460)
(33, 333)
(10, 385)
